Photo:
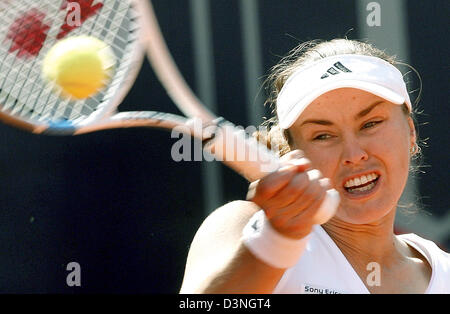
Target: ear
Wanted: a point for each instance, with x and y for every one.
(412, 131)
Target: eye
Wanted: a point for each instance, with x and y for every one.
(371, 124)
(322, 137)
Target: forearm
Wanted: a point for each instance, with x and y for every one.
(244, 273)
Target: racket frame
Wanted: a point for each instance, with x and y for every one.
(150, 42)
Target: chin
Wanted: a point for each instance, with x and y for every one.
(364, 213)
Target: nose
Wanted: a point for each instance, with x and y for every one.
(353, 152)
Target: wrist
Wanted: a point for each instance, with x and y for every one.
(269, 245)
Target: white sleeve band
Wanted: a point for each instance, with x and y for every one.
(270, 246)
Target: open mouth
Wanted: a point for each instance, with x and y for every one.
(362, 185)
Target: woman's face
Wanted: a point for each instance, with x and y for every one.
(362, 143)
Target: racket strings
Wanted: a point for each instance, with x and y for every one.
(22, 91)
(26, 100)
(33, 82)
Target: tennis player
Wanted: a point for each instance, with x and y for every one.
(342, 108)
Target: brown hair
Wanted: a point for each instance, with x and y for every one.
(270, 133)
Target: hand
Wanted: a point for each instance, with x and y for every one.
(291, 196)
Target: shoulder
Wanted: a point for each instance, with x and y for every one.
(432, 251)
(425, 243)
(438, 258)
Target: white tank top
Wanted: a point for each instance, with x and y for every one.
(323, 269)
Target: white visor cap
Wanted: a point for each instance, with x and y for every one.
(370, 74)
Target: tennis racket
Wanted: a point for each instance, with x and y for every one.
(29, 28)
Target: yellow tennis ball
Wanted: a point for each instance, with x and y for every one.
(81, 66)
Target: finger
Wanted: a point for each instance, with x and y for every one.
(303, 183)
(325, 183)
(299, 225)
(308, 216)
(268, 186)
(302, 164)
(297, 158)
(307, 183)
(295, 154)
(314, 174)
(289, 194)
(311, 194)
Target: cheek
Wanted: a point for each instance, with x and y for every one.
(325, 159)
(391, 146)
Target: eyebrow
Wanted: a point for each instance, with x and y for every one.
(361, 114)
(366, 111)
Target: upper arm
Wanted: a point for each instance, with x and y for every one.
(215, 243)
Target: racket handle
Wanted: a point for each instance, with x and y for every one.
(252, 160)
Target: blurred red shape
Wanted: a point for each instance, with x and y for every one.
(28, 33)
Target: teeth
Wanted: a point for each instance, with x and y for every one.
(364, 180)
(350, 183)
(360, 180)
(362, 189)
